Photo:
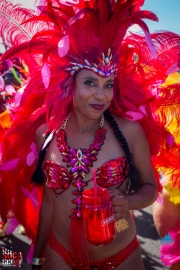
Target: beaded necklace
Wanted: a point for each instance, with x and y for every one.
(79, 160)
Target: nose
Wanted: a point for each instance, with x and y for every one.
(99, 94)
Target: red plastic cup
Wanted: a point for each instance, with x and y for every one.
(98, 217)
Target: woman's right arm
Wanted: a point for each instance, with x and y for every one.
(45, 224)
(46, 211)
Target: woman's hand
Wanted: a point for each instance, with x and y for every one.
(120, 203)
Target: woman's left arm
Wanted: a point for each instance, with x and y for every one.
(142, 162)
(141, 157)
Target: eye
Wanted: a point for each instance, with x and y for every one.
(109, 85)
(89, 83)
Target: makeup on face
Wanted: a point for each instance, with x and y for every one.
(93, 94)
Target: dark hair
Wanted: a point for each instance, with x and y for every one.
(37, 176)
(133, 175)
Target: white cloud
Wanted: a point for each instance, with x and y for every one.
(25, 3)
(135, 28)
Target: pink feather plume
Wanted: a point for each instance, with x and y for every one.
(30, 158)
(150, 45)
(34, 149)
(18, 96)
(12, 225)
(133, 116)
(69, 2)
(63, 46)
(39, 6)
(32, 196)
(9, 165)
(143, 110)
(10, 90)
(45, 72)
(32, 155)
(1, 83)
(169, 251)
(9, 63)
(174, 68)
(159, 199)
(170, 139)
(29, 255)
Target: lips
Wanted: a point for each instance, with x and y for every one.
(98, 107)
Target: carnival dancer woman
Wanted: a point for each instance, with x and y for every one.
(92, 97)
(95, 94)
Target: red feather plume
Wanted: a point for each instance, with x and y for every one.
(12, 31)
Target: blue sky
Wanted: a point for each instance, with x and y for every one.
(168, 12)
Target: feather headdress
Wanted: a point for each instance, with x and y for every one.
(75, 35)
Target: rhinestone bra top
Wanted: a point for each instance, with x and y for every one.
(79, 161)
(111, 173)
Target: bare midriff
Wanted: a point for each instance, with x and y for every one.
(61, 223)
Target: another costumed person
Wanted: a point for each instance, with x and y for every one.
(166, 210)
(13, 75)
(94, 101)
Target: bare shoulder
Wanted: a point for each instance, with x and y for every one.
(131, 130)
(40, 135)
(128, 125)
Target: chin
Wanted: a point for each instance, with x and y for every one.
(96, 115)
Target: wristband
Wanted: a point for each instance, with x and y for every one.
(37, 261)
(36, 266)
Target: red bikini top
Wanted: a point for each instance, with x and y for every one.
(111, 173)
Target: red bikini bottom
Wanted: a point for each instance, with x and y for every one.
(102, 264)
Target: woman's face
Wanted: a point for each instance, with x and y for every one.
(93, 94)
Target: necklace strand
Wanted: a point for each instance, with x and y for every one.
(64, 123)
(79, 160)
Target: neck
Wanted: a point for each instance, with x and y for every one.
(81, 124)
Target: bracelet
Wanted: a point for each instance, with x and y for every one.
(37, 261)
(36, 266)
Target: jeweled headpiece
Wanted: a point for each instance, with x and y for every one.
(103, 69)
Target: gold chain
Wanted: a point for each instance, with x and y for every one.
(102, 121)
(64, 123)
